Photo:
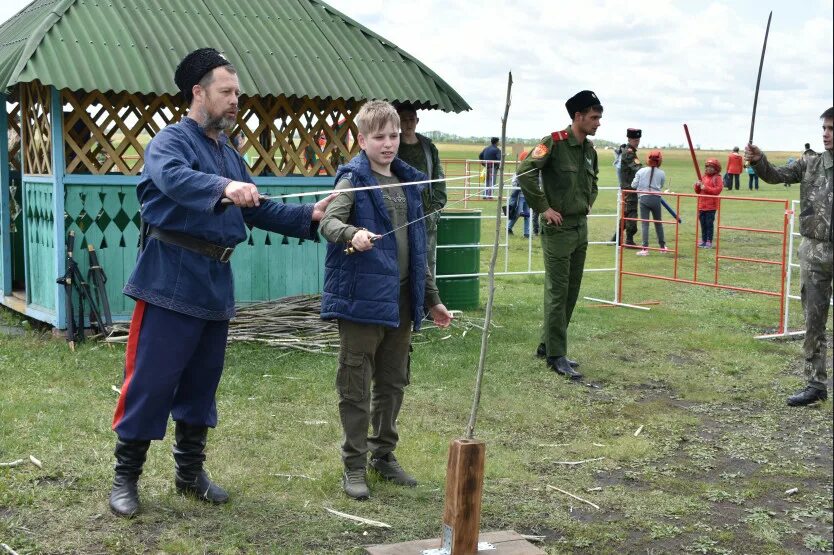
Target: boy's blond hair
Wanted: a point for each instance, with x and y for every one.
(374, 115)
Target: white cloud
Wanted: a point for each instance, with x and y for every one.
(654, 64)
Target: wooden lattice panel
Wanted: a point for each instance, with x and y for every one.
(13, 119)
(283, 136)
(36, 124)
(107, 133)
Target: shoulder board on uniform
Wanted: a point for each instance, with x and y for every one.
(559, 135)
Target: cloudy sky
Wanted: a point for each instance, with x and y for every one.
(654, 65)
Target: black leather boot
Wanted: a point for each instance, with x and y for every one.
(560, 365)
(190, 478)
(541, 352)
(130, 456)
(807, 396)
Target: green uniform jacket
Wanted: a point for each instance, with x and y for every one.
(569, 171)
(434, 194)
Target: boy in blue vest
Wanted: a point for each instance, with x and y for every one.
(378, 293)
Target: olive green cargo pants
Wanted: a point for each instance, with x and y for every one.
(373, 372)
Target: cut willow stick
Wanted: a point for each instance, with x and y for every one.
(18, 462)
(569, 494)
(571, 463)
(367, 521)
(473, 415)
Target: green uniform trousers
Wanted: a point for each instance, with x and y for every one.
(564, 248)
(630, 226)
(373, 372)
(815, 261)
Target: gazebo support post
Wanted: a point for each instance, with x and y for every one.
(57, 136)
(5, 220)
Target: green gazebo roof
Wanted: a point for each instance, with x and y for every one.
(280, 47)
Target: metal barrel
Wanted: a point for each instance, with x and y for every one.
(458, 252)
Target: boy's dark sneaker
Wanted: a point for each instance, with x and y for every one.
(354, 484)
(388, 467)
(807, 396)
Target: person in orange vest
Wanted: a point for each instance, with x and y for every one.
(734, 165)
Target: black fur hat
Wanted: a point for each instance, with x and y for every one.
(194, 66)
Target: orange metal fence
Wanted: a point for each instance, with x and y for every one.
(781, 263)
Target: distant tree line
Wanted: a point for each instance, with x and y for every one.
(443, 137)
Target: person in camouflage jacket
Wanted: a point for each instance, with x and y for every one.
(629, 164)
(814, 174)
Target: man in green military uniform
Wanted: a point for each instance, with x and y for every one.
(418, 151)
(814, 175)
(568, 165)
(629, 164)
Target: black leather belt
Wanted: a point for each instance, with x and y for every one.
(217, 252)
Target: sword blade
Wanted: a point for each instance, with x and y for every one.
(759, 80)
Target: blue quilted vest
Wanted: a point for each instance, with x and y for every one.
(364, 287)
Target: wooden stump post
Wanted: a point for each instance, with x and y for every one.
(464, 489)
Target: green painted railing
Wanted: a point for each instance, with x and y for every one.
(39, 244)
(266, 265)
(107, 217)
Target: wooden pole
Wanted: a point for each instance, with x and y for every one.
(464, 488)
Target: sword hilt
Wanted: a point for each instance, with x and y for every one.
(352, 250)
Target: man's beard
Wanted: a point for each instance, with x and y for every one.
(216, 123)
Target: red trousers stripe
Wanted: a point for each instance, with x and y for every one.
(130, 358)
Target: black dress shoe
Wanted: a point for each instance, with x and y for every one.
(807, 396)
(560, 365)
(541, 352)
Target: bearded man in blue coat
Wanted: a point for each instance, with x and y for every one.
(182, 282)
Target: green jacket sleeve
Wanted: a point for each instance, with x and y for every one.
(792, 173)
(594, 184)
(528, 175)
(333, 226)
(439, 198)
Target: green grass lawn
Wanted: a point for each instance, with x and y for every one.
(708, 472)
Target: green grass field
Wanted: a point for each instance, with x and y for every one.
(707, 473)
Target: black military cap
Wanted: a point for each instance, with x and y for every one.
(633, 133)
(194, 66)
(580, 101)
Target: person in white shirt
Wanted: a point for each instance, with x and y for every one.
(649, 182)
